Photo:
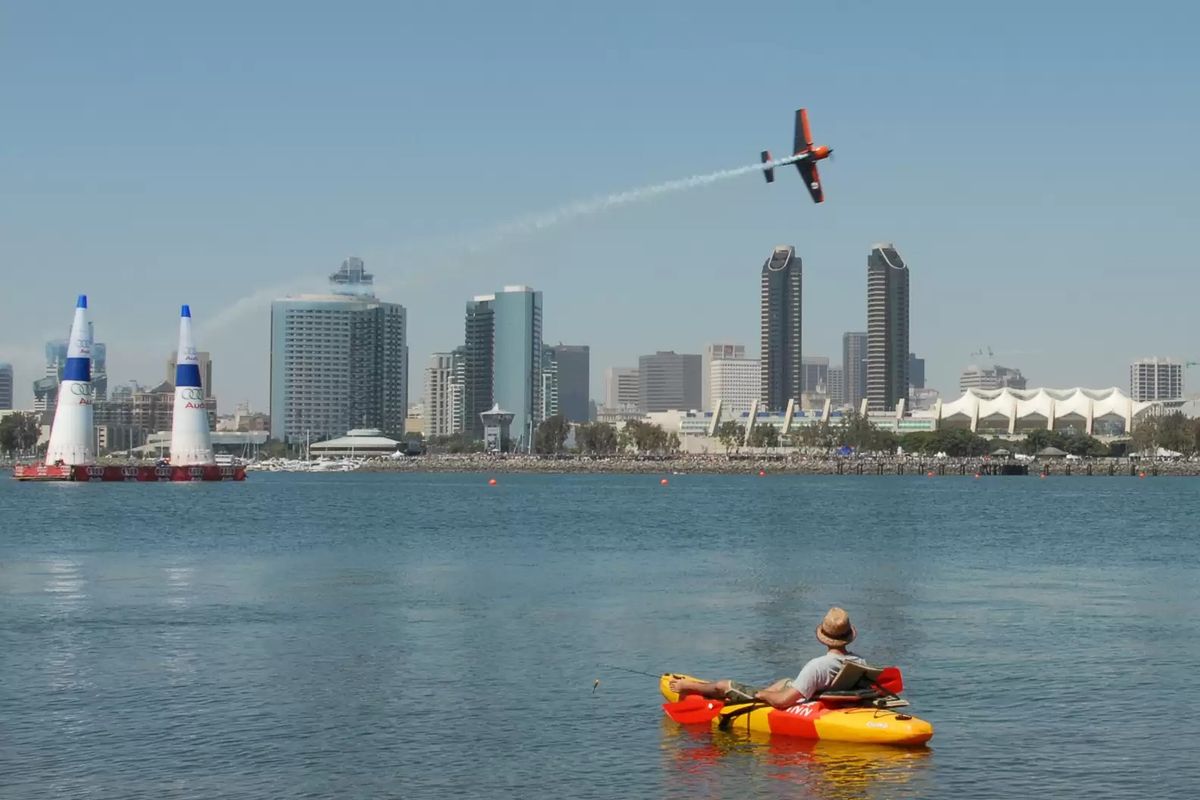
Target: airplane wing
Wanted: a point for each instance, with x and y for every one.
(812, 179)
(803, 136)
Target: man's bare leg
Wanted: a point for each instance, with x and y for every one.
(712, 689)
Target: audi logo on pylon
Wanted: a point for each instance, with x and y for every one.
(191, 393)
(81, 389)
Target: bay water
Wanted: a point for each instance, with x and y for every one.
(407, 635)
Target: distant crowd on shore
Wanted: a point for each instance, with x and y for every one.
(753, 464)
(720, 464)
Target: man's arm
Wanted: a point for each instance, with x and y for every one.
(784, 696)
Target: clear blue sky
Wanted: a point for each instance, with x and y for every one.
(1035, 164)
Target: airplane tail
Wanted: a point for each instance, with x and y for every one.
(768, 172)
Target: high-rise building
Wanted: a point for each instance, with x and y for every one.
(711, 353)
(45, 389)
(837, 386)
(916, 372)
(621, 389)
(6, 386)
(997, 377)
(205, 371)
(780, 317)
(922, 399)
(854, 362)
(154, 407)
(131, 413)
(815, 373)
(443, 395)
(45, 396)
(669, 381)
(114, 420)
(99, 369)
(517, 359)
(1155, 379)
(887, 328)
(574, 376)
(734, 382)
(550, 378)
(459, 389)
(503, 355)
(477, 362)
(338, 361)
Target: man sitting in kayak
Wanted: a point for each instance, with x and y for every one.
(835, 632)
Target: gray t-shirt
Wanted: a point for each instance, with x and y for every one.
(819, 673)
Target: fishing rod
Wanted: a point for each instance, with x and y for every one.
(634, 671)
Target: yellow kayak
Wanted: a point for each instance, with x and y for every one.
(839, 719)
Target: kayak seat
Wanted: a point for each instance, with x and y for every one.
(854, 683)
(849, 696)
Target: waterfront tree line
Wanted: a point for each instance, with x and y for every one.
(855, 433)
(852, 433)
(19, 432)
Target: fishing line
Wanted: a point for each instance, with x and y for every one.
(634, 671)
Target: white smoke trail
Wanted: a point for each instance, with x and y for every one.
(583, 208)
(229, 322)
(253, 304)
(465, 247)
(461, 254)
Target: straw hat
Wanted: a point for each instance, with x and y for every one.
(835, 630)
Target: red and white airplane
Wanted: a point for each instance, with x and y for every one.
(805, 156)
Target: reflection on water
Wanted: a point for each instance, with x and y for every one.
(701, 762)
(178, 655)
(65, 583)
(179, 586)
(65, 666)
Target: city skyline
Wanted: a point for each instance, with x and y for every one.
(51, 347)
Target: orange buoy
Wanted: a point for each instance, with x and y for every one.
(491, 481)
(762, 473)
(664, 482)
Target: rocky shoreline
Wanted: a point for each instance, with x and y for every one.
(787, 465)
(711, 464)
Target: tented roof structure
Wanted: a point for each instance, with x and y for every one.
(1022, 410)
